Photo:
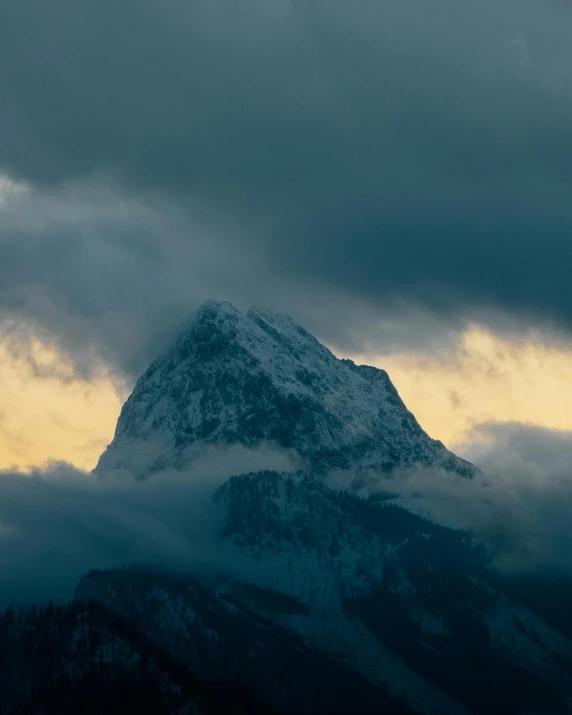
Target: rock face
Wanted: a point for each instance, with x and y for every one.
(235, 378)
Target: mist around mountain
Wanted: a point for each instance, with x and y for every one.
(271, 530)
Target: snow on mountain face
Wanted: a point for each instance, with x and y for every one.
(254, 378)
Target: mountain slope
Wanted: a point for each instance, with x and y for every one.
(326, 587)
(249, 379)
(233, 632)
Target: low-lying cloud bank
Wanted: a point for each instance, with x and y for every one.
(521, 504)
(57, 524)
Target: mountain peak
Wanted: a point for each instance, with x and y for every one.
(255, 330)
(259, 377)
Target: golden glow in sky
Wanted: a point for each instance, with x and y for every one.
(46, 413)
(485, 378)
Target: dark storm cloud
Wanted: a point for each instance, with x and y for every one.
(105, 275)
(390, 153)
(109, 275)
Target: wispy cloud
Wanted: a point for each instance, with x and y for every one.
(57, 523)
(520, 507)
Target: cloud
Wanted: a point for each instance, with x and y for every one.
(57, 523)
(389, 154)
(101, 273)
(520, 506)
(107, 276)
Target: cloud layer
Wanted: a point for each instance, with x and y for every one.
(520, 507)
(57, 524)
(386, 157)
(108, 275)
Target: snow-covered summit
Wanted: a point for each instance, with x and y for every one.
(259, 377)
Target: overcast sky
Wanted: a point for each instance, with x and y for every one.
(390, 172)
(396, 174)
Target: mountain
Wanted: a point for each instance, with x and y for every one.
(323, 601)
(259, 377)
(329, 602)
(233, 631)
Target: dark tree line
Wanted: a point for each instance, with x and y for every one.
(80, 658)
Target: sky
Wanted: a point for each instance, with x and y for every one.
(395, 175)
